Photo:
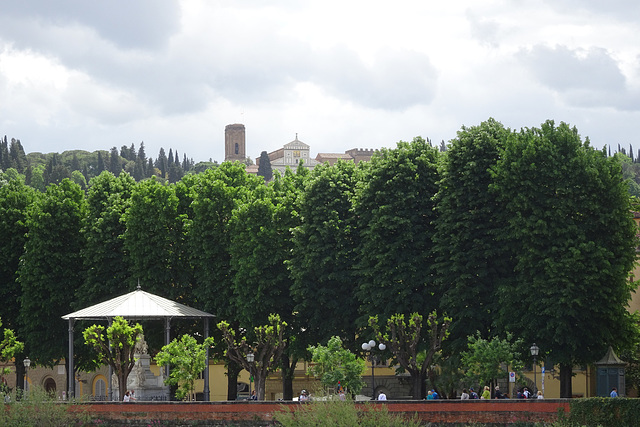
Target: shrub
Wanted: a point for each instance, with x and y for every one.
(337, 413)
(37, 408)
(604, 412)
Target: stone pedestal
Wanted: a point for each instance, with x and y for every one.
(146, 385)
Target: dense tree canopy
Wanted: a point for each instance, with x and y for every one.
(51, 269)
(15, 200)
(528, 233)
(572, 234)
(324, 249)
(395, 211)
(470, 263)
(105, 260)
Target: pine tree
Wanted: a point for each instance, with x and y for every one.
(161, 162)
(264, 168)
(115, 164)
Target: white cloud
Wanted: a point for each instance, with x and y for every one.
(77, 74)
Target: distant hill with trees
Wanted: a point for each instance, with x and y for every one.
(42, 169)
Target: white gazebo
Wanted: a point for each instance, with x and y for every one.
(138, 305)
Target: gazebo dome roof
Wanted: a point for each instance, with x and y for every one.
(137, 304)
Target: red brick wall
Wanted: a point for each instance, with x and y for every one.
(443, 411)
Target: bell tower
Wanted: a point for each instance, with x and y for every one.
(234, 143)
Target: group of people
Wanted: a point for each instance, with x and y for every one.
(523, 393)
(432, 395)
(129, 396)
(471, 394)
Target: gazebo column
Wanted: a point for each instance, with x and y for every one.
(206, 361)
(71, 381)
(111, 394)
(167, 340)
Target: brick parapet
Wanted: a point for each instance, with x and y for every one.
(261, 413)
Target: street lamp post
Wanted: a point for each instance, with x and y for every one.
(250, 359)
(534, 352)
(26, 363)
(370, 346)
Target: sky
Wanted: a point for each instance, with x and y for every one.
(89, 75)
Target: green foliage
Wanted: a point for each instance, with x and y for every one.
(40, 409)
(15, 200)
(115, 346)
(187, 359)
(260, 244)
(50, 270)
(484, 360)
(9, 346)
(153, 237)
(470, 263)
(217, 193)
(321, 262)
(267, 347)
(573, 239)
(37, 179)
(336, 413)
(264, 168)
(413, 343)
(335, 365)
(104, 258)
(604, 412)
(395, 211)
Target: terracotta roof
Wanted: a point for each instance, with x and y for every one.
(334, 156)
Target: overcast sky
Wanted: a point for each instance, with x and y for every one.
(79, 74)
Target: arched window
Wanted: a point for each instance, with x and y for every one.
(237, 148)
(100, 388)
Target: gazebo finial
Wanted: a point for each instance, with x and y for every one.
(139, 287)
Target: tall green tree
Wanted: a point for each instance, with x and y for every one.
(15, 200)
(216, 193)
(18, 156)
(51, 270)
(321, 262)
(395, 211)
(5, 159)
(571, 232)
(470, 261)
(115, 162)
(101, 167)
(162, 163)
(152, 238)
(260, 244)
(105, 259)
(264, 168)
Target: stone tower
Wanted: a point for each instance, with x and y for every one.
(234, 143)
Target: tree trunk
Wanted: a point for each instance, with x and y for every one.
(566, 372)
(288, 370)
(261, 379)
(122, 384)
(233, 369)
(416, 384)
